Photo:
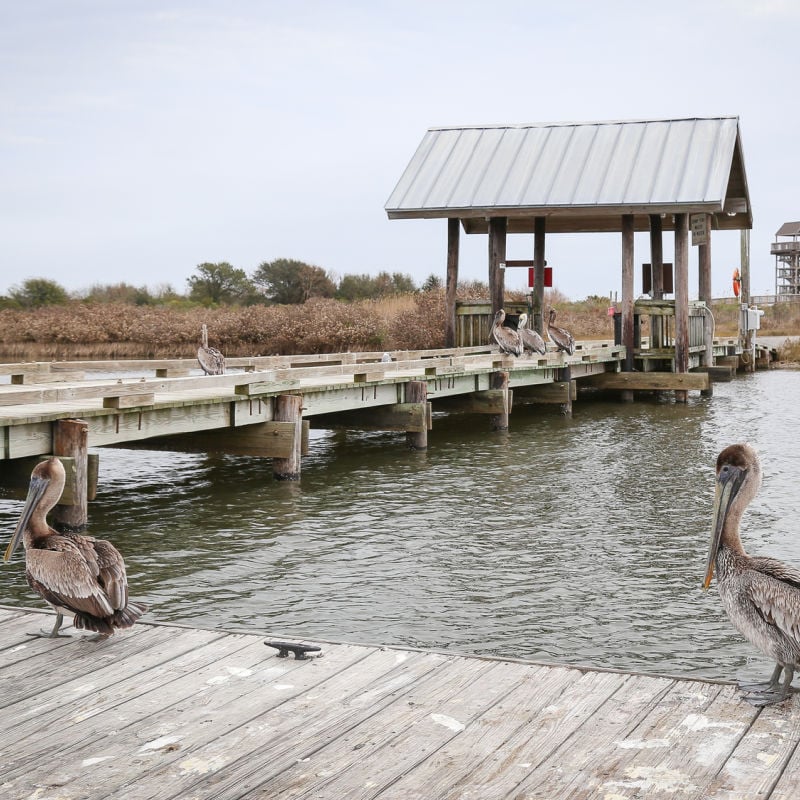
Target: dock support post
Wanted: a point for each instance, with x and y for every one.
(681, 300)
(566, 376)
(499, 380)
(657, 278)
(451, 283)
(289, 408)
(71, 438)
(627, 296)
(704, 292)
(539, 229)
(417, 392)
(497, 256)
(744, 268)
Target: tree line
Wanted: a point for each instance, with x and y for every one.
(283, 281)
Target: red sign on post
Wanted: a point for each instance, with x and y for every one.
(548, 277)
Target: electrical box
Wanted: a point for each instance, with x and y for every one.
(750, 318)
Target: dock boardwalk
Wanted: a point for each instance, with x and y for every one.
(162, 712)
(236, 412)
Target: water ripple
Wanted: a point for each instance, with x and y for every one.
(574, 540)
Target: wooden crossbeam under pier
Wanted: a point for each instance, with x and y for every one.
(649, 381)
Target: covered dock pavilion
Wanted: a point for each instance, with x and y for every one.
(653, 175)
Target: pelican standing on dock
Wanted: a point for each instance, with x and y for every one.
(75, 574)
(531, 341)
(560, 337)
(761, 595)
(507, 339)
(211, 360)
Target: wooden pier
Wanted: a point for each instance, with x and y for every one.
(162, 712)
(265, 406)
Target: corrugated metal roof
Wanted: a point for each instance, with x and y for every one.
(789, 229)
(580, 171)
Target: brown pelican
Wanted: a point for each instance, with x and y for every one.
(761, 595)
(562, 339)
(531, 341)
(211, 360)
(75, 574)
(507, 339)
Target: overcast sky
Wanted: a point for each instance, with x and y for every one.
(139, 139)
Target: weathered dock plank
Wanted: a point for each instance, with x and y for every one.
(165, 712)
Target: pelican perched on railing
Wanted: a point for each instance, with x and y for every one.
(507, 339)
(75, 574)
(211, 360)
(531, 341)
(761, 595)
(560, 337)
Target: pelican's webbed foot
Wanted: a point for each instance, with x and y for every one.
(768, 694)
(43, 633)
(771, 686)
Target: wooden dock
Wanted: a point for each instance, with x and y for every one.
(264, 406)
(162, 712)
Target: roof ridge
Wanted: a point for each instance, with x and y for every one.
(642, 121)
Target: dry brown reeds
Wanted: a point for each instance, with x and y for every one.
(406, 322)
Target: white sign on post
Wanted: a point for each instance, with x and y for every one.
(697, 222)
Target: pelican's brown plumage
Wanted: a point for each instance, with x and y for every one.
(211, 360)
(560, 337)
(75, 574)
(507, 339)
(761, 595)
(531, 341)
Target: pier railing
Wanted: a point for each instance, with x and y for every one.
(474, 319)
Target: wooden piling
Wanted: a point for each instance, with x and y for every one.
(539, 230)
(451, 284)
(417, 392)
(288, 408)
(70, 438)
(627, 296)
(499, 380)
(497, 256)
(656, 278)
(681, 299)
(704, 294)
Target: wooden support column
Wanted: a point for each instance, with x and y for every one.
(627, 296)
(539, 227)
(657, 278)
(499, 380)
(704, 293)
(71, 438)
(565, 375)
(681, 299)
(289, 408)
(744, 299)
(497, 255)
(657, 256)
(417, 392)
(453, 242)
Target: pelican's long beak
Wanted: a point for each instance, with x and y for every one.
(728, 483)
(36, 491)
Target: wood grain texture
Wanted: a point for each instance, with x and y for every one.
(166, 712)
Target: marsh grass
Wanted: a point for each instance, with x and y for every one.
(414, 321)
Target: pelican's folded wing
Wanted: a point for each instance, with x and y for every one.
(777, 599)
(63, 578)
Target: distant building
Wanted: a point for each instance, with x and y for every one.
(787, 261)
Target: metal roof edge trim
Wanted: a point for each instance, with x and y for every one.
(567, 124)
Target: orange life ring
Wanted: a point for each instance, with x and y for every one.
(737, 282)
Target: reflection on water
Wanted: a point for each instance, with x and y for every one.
(579, 540)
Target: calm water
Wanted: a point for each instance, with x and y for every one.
(577, 540)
